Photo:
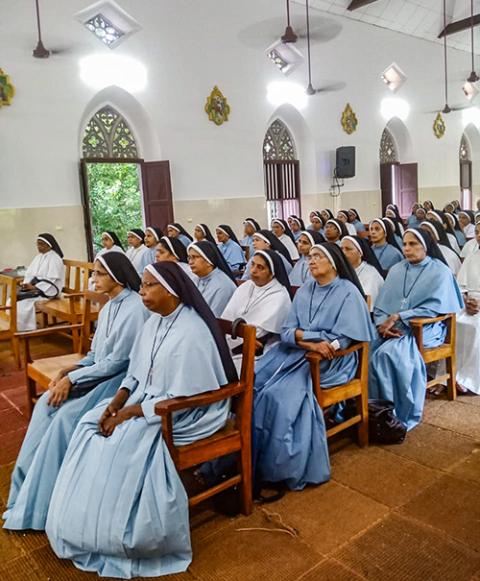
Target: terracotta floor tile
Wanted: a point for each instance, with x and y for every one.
(11, 444)
(457, 417)
(11, 420)
(331, 570)
(469, 469)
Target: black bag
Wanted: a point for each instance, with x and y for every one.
(36, 292)
(383, 425)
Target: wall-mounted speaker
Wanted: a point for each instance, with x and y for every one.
(345, 162)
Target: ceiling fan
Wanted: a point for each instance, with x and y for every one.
(310, 90)
(40, 52)
(447, 109)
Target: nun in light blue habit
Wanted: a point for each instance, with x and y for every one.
(176, 230)
(230, 247)
(250, 227)
(76, 390)
(301, 272)
(328, 313)
(297, 226)
(266, 240)
(384, 244)
(119, 507)
(420, 286)
(213, 277)
(152, 238)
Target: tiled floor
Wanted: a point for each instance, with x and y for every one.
(408, 512)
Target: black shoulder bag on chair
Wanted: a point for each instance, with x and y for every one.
(50, 292)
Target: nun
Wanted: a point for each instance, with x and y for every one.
(457, 230)
(328, 313)
(74, 391)
(326, 214)
(282, 231)
(342, 216)
(213, 277)
(367, 268)
(301, 272)
(176, 230)
(412, 220)
(297, 227)
(202, 232)
(317, 224)
(384, 245)
(230, 247)
(468, 323)
(44, 278)
(263, 301)
(250, 226)
(335, 230)
(172, 250)
(354, 218)
(451, 257)
(110, 241)
(397, 228)
(152, 238)
(441, 218)
(467, 222)
(266, 240)
(119, 507)
(138, 254)
(422, 285)
(428, 205)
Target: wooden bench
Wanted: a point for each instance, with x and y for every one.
(445, 351)
(8, 314)
(357, 388)
(235, 437)
(40, 372)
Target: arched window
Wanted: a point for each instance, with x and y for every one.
(388, 148)
(281, 169)
(108, 135)
(278, 143)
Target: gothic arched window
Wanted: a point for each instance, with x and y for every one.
(464, 151)
(108, 135)
(388, 148)
(278, 143)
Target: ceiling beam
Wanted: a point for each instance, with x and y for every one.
(354, 4)
(460, 25)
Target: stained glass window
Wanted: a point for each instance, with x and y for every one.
(278, 143)
(108, 135)
(464, 152)
(388, 148)
(104, 30)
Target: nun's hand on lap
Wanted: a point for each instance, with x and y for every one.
(109, 424)
(59, 392)
(387, 328)
(323, 348)
(472, 306)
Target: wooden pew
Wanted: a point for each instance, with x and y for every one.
(8, 314)
(235, 437)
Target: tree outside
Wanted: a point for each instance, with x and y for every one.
(115, 199)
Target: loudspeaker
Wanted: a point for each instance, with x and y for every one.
(345, 162)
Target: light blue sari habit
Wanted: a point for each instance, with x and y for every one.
(248, 241)
(300, 272)
(217, 289)
(289, 440)
(397, 371)
(232, 253)
(359, 227)
(119, 507)
(51, 428)
(387, 255)
(185, 240)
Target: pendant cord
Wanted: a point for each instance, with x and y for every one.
(445, 50)
(38, 21)
(308, 44)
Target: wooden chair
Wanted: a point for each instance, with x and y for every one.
(69, 308)
(246, 251)
(40, 372)
(235, 437)
(8, 314)
(445, 351)
(357, 388)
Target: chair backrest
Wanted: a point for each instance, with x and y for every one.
(246, 251)
(8, 297)
(77, 273)
(242, 404)
(89, 317)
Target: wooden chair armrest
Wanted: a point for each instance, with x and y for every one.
(5, 308)
(313, 357)
(420, 321)
(46, 331)
(168, 406)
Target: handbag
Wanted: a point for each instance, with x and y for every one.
(38, 292)
(383, 425)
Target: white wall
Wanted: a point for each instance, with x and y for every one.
(188, 47)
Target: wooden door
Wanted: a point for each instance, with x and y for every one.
(157, 193)
(399, 185)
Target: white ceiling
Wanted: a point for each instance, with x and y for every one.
(419, 18)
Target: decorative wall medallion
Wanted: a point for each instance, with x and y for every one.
(217, 107)
(7, 90)
(349, 120)
(439, 126)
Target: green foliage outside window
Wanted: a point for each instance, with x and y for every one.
(115, 199)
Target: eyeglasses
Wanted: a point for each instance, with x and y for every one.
(148, 284)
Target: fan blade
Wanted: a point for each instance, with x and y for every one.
(331, 88)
